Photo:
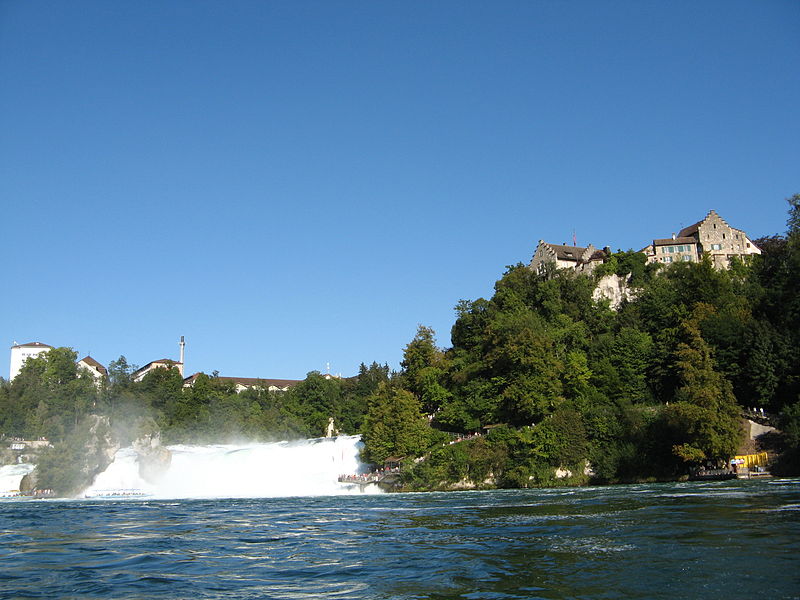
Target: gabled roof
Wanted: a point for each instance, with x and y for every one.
(692, 229)
(249, 381)
(93, 363)
(161, 361)
(32, 345)
(258, 381)
(672, 241)
(567, 252)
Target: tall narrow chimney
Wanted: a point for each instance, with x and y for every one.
(183, 346)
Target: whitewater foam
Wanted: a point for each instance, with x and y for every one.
(280, 469)
(11, 477)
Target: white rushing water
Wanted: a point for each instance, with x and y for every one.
(11, 476)
(301, 468)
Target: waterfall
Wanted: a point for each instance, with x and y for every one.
(300, 468)
(11, 476)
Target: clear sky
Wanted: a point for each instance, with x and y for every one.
(294, 183)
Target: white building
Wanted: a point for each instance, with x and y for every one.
(164, 363)
(246, 383)
(94, 368)
(22, 352)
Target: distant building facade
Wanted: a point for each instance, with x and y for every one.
(576, 258)
(94, 368)
(22, 352)
(246, 383)
(164, 363)
(674, 249)
(712, 237)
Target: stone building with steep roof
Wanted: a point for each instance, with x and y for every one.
(712, 237)
(577, 258)
(674, 249)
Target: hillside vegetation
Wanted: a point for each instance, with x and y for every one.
(568, 385)
(553, 380)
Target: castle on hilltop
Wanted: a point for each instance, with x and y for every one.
(711, 237)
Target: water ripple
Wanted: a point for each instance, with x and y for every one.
(644, 541)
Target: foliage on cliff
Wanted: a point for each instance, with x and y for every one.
(51, 398)
(553, 378)
(646, 391)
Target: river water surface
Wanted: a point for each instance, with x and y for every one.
(737, 539)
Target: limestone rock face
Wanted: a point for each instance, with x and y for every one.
(154, 458)
(29, 482)
(613, 288)
(100, 446)
(563, 473)
(755, 430)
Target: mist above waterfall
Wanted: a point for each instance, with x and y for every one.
(298, 468)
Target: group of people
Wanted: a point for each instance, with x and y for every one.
(463, 437)
(372, 476)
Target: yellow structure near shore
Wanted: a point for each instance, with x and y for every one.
(750, 460)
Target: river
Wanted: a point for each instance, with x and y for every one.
(735, 539)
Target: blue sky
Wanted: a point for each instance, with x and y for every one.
(289, 184)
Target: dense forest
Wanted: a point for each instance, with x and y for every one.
(51, 396)
(548, 376)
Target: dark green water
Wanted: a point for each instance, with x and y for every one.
(728, 540)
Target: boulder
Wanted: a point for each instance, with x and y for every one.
(29, 482)
(563, 473)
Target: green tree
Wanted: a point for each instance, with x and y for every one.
(394, 425)
(317, 400)
(50, 395)
(119, 372)
(424, 366)
(161, 391)
(705, 415)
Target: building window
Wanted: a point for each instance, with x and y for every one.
(686, 257)
(716, 246)
(667, 259)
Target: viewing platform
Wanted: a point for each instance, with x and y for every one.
(386, 477)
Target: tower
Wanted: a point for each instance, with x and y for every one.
(182, 356)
